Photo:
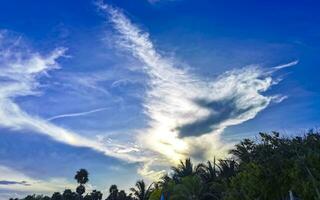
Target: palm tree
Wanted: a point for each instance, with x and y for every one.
(165, 186)
(141, 192)
(213, 176)
(207, 172)
(164, 180)
(228, 168)
(243, 150)
(82, 178)
(113, 190)
(80, 189)
(182, 170)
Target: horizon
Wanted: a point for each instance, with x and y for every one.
(126, 89)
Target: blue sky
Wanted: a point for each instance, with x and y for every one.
(126, 88)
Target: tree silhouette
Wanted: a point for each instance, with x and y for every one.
(82, 178)
(184, 169)
(123, 196)
(69, 195)
(228, 168)
(113, 190)
(243, 150)
(141, 192)
(115, 194)
(94, 195)
(80, 189)
(56, 196)
(208, 171)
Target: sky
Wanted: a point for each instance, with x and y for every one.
(127, 88)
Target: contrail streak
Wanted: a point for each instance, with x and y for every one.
(286, 65)
(76, 114)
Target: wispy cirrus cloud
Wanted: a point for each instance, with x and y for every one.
(16, 181)
(188, 113)
(9, 182)
(20, 75)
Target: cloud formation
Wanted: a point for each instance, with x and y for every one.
(6, 182)
(20, 182)
(188, 113)
(20, 76)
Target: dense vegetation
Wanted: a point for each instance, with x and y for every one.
(271, 168)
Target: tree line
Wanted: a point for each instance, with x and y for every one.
(269, 168)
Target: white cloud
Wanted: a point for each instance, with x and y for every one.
(20, 74)
(32, 185)
(91, 81)
(188, 114)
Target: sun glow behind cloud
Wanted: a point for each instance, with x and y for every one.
(188, 114)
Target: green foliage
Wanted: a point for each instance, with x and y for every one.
(271, 168)
(141, 192)
(184, 169)
(247, 184)
(156, 194)
(190, 188)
